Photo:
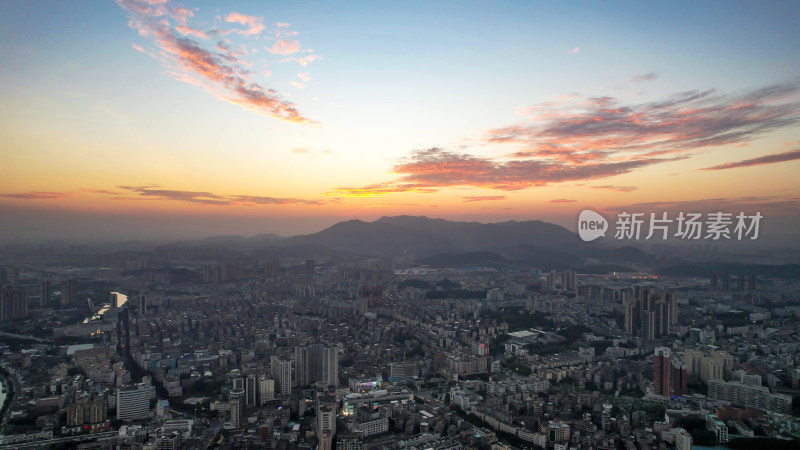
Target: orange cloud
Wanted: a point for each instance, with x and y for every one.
(769, 159)
(189, 31)
(580, 130)
(432, 169)
(580, 139)
(219, 71)
(485, 198)
(561, 200)
(284, 47)
(616, 188)
(379, 189)
(254, 23)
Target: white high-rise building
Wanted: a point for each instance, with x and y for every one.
(281, 372)
(266, 390)
(133, 403)
(330, 365)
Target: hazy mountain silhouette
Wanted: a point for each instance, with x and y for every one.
(376, 239)
(531, 243)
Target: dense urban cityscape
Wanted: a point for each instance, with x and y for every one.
(215, 343)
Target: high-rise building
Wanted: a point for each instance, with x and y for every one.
(669, 373)
(142, 309)
(133, 403)
(726, 282)
(649, 314)
(679, 378)
(86, 411)
(661, 371)
(69, 292)
(237, 383)
(266, 390)
(550, 281)
(330, 365)
(281, 372)
(326, 414)
(714, 284)
(251, 391)
(317, 362)
(706, 364)
(13, 303)
(44, 293)
(236, 403)
(569, 280)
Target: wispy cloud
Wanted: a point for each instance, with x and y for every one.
(581, 129)
(100, 191)
(650, 76)
(218, 70)
(284, 47)
(209, 198)
(616, 188)
(772, 204)
(189, 31)
(432, 169)
(37, 195)
(561, 200)
(768, 159)
(483, 198)
(574, 50)
(255, 24)
(380, 189)
(304, 61)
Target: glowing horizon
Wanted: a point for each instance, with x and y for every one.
(305, 115)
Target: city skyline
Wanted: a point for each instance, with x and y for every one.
(159, 118)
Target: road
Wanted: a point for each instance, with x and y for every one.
(81, 438)
(26, 337)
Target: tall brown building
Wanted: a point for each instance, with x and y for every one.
(669, 374)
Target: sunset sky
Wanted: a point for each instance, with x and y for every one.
(155, 117)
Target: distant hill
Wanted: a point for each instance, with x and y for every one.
(445, 243)
(376, 239)
(440, 242)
